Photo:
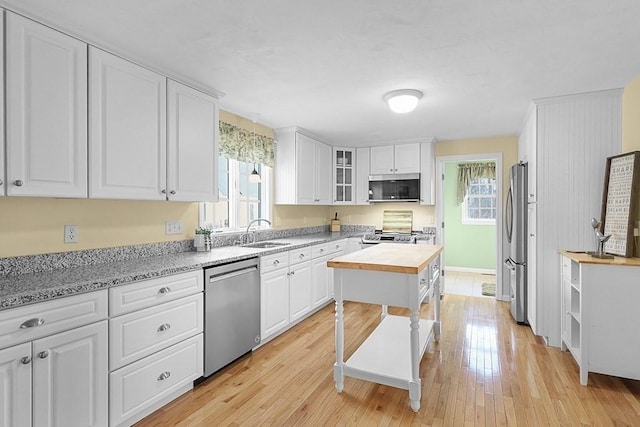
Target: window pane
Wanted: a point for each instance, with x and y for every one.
(347, 176)
(223, 177)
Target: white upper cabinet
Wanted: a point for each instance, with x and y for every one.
(127, 129)
(2, 145)
(399, 158)
(46, 105)
(362, 175)
(427, 173)
(192, 148)
(344, 176)
(303, 170)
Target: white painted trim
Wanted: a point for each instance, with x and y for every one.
(470, 270)
(497, 157)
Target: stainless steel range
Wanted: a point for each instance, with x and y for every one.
(396, 228)
(375, 238)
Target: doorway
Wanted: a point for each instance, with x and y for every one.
(472, 241)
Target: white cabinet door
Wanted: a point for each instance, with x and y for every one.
(305, 170)
(323, 179)
(532, 285)
(427, 173)
(362, 176)
(127, 129)
(382, 160)
(70, 374)
(46, 96)
(192, 149)
(407, 158)
(299, 290)
(3, 178)
(274, 302)
(344, 167)
(15, 386)
(320, 281)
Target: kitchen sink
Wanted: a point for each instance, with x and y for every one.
(265, 245)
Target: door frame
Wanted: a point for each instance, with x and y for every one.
(440, 235)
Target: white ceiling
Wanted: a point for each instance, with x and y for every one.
(325, 65)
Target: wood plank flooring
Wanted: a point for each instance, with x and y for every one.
(486, 370)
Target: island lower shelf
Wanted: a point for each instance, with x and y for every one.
(384, 357)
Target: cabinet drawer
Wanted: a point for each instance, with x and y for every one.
(35, 321)
(138, 386)
(338, 246)
(321, 250)
(299, 255)
(148, 293)
(136, 335)
(274, 262)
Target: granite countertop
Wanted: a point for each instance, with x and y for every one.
(42, 286)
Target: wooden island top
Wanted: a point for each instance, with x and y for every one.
(584, 258)
(389, 257)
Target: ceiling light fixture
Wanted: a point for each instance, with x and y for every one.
(403, 100)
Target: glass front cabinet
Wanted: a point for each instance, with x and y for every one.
(343, 176)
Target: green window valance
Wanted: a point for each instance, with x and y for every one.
(246, 146)
(467, 172)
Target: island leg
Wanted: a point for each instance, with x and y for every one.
(385, 311)
(415, 383)
(338, 368)
(436, 310)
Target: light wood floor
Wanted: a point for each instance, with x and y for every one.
(486, 370)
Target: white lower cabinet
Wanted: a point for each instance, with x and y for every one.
(149, 383)
(155, 343)
(294, 284)
(55, 378)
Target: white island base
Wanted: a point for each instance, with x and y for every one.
(391, 354)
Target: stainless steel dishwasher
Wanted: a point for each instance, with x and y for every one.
(232, 312)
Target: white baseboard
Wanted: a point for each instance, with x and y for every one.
(470, 270)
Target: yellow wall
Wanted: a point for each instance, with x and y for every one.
(30, 225)
(507, 145)
(631, 116)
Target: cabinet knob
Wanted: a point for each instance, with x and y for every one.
(530, 194)
(531, 234)
(164, 191)
(25, 360)
(1, 182)
(293, 272)
(163, 376)
(321, 250)
(301, 256)
(423, 281)
(276, 262)
(32, 323)
(172, 191)
(337, 246)
(18, 182)
(164, 290)
(164, 327)
(43, 354)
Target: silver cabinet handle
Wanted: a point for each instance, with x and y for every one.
(276, 262)
(321, 250)
(423, 281)
(164, 327)
(164, 290)
(25, 360)
(163, 376)
(172, 192)
(32, 323)
(43, 354)
(164, 191)
(301, 256)
(1, 182)
(435, 267)
(337, 246)
(531, 234)
(18, 182)
(293, 272)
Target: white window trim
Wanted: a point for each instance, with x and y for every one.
(464, 219)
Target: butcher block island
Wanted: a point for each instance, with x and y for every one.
(389, 274)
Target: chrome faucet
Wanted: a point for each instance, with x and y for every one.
(253, 233)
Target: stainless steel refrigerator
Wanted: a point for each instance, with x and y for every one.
(516, 233)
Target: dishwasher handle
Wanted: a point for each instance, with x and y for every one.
(231, 274)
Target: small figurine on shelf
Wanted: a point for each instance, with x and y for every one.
(601, 241)
(202, 239)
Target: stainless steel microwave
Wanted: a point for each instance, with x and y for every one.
(394, 188)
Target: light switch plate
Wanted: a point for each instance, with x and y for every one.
(173, 227)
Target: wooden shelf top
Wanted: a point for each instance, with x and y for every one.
(584, 258)
(390, 257)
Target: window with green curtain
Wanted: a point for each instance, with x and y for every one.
(467, 172)
(246, 146)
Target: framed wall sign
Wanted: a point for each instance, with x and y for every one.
(620, 202)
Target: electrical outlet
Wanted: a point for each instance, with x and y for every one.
(173, 227)
(71, 233)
